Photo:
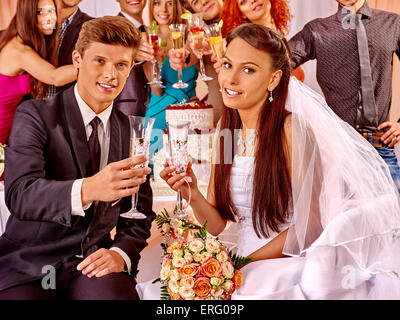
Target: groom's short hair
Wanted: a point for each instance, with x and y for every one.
(109, 30)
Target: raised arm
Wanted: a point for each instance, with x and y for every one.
(39, 68)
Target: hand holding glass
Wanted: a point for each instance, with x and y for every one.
(178, 135)
(139, 145)
(178, 38)
(196, 40)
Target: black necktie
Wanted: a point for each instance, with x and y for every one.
(94, 145)
(367, 89)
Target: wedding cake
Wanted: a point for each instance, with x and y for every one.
(201, 118)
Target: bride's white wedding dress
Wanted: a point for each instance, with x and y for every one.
(267, 279)
(343, 239)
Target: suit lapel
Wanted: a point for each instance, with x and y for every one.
(77, 133)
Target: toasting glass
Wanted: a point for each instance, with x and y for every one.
(139, 145)
(178, 134)
(215, 39)
(178, 38)
(197, 37)
(153, 38)
(162, 52)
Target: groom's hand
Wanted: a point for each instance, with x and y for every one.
(101, 263)
(115, 181)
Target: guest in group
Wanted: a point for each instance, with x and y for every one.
(274, 14)
(69, 23)
(166, 12)
(354, 50)
(64, 171)
(134, 96)
(311, 198)
(209, 90)
(27, 58)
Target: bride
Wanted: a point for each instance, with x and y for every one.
(315, 206)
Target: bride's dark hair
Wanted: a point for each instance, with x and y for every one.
(272, 183)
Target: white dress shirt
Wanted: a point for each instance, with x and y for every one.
(104, 139)
(136, 23)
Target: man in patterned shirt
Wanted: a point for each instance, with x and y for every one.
(354, 50)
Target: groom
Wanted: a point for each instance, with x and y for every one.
(67, 162)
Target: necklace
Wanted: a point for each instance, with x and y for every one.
(248, 142)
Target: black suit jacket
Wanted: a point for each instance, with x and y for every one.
(47, 152)
(133, 98)
(70, 38)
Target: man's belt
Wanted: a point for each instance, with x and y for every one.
(376, 136)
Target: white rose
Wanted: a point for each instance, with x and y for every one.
(176, 223)
(227, 269)
(187, 282)
(186, 293)
(179, 231)
(177, 253)
(173, 286)
(216, 281)
(212, 246)
(164, 273)
(217, 293)
(166, 263)
(222, 256)
(166, 227)
(174, 274)
(178, 262)
(205, 255)
(188, 257)
(227, 285)
(196, 245)
(197, 257)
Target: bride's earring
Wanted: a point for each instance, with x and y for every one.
(271, 98)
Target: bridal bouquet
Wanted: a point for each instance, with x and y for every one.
(196, 266)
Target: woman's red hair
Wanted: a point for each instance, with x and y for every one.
(232, 16)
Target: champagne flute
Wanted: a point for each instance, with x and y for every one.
(178, 38)
(153, 35)
(162, 53)
(215, 38)
(139, 145)
(197, 38)
(178, 135)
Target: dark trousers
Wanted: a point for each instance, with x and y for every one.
(71, 284)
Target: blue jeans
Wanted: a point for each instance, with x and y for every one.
(390, 158)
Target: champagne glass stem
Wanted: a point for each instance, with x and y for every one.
(155, 78)
(179, 76)
(180, 201)
(202, 69)
(134, 200)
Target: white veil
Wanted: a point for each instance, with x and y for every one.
(346, 209)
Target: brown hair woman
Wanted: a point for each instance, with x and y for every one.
(27, 48)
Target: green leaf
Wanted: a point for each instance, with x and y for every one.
(202, 234)
(238, 261)
(162, 218)
(164, 295)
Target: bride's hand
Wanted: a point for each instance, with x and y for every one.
(177, 180)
